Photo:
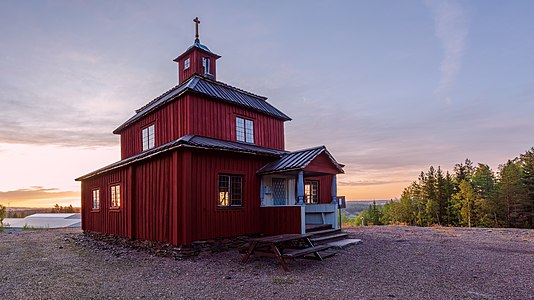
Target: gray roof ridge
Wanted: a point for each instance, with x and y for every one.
(226, 85)
(307, 149)
(187, 82)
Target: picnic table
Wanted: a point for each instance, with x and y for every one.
(275, 246)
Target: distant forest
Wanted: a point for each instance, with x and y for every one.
(473, 196)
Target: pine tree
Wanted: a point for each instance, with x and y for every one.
(527, 168)
(513, 194)
(488, 206)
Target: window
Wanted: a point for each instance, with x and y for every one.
(186, 64)
(96, 199)
(148, 137)
(116, 196)
(230, 190)
(244, 130)
(311, 191)
(206, 64)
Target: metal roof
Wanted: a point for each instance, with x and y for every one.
(211, 88)
(197, 45)
(45, 221)
(205, 142)
(193, 141)
(297, 160)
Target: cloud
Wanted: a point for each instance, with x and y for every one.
(38, 196)
(452, 31)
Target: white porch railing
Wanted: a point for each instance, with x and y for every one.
(322, 214)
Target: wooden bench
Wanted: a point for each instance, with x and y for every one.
(275, 247)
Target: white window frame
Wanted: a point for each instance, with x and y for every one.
(311, 191)
(187, 64)
(115, 196)
(206, 65)
(148, 135)
(96, 199)
(230, 190)
(244, 129)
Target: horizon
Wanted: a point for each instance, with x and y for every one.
(390, 88)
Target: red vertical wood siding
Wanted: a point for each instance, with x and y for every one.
(195, 61)
(149, 201)
(322, 164)
(280, 219)
(214, 118)
(325, 188)
(192, 114)
(211, 221)
(107, 220)
(154, 208)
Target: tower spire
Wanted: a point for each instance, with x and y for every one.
(197, 21)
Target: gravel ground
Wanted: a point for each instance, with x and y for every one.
(392, 262)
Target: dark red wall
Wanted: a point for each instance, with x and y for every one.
(195, 59)
(322, 164)
(280, 219)
(155, 208)
(173, 198)
(192, 114)
(211, 221)
(325, 188)
(107, 220)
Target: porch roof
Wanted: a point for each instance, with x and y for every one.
(300, 160)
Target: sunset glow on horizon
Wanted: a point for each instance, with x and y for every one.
(389, 87)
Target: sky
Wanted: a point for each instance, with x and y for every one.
(390, 87)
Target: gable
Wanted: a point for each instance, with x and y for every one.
(322, 164)
(313, 160)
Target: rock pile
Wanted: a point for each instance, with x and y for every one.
(118, 246)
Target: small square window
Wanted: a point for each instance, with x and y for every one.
(230, 190)
(148, 137)
(186, 64)
(96, 199)
(115, 196)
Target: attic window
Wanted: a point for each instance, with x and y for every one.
(186, 64)
(148, 137)
(206, 65)
(244, 130)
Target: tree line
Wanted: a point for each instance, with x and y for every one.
(472, 196)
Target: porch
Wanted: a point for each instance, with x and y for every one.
(299, 190)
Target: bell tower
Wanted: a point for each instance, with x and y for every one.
(197, 59)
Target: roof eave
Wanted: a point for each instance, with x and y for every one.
(197, 48)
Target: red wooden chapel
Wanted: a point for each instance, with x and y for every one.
(207, 160)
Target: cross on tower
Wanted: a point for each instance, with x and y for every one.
(197, 21)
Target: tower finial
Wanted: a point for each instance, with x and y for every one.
(197, 21)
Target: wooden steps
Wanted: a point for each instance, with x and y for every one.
(329, 238)
(317, 227)
(294, 253)
(325, 232)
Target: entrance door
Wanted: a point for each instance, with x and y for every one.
(279, 191)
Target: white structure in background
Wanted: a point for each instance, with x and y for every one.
(45, 221)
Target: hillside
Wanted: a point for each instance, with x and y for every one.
(393, 262)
